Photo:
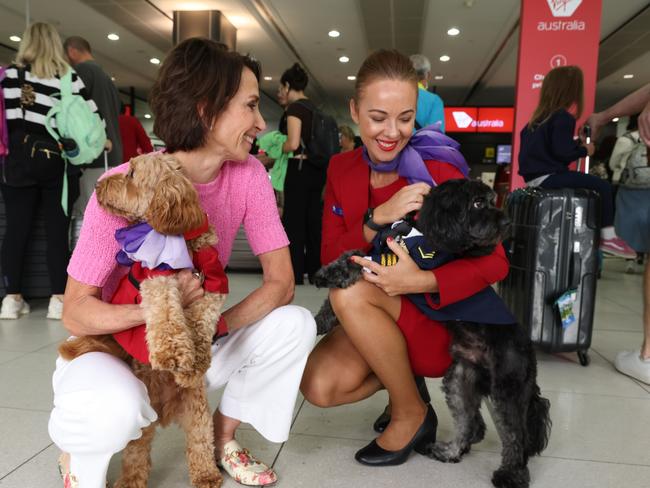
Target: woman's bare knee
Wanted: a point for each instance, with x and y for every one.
(318, 389)
(360, 294)
(334, 368)
(356, 299)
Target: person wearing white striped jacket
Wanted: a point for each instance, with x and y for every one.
(32, 174)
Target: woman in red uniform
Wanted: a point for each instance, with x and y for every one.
(383, 340)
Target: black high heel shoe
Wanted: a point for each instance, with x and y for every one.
(384, 419)
(374, 455)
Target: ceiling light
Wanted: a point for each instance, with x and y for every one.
(154, 61)
(344, 59)
(438, 77)
(628, 76)
(15, 38)
(112, 78)
(444, 58)
(333, 33)
(147, 116)
(268, 78)
(454, 31)
(113, 37)
(352, 78)
(615, 119)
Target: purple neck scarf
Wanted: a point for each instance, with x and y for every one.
(139, 242)
(426, 143)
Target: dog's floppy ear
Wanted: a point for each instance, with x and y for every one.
(174, 207)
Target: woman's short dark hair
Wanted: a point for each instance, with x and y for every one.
(195, 83)
(295, 77)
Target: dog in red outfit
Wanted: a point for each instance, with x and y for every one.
(170, 353)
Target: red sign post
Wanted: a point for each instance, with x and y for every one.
(553, 33)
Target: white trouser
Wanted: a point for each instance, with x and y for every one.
(99, 405)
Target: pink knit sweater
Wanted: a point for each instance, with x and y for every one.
(241, 193)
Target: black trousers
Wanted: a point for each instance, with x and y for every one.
(303, 214)
(21, 205)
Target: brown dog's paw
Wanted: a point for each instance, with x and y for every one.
(130, 482)
(212, 482)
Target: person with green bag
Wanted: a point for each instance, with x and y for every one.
(35, 171)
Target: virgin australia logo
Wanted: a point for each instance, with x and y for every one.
(462, 119)
(563, 8)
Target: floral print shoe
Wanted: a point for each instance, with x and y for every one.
(69, 480)
(240, 464)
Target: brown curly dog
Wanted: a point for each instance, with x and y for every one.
(154, 190)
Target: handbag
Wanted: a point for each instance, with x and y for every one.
(32, 158)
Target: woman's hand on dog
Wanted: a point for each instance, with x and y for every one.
(191, 289)
(400, 279)
(406, 200)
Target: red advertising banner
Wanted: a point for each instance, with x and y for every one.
(479, 119)
(553, 33)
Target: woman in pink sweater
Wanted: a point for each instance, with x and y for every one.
(206, 106)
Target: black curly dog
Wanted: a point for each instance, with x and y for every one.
(489, 360)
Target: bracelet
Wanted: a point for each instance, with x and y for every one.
(367, 220)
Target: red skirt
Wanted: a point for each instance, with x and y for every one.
(427, 341)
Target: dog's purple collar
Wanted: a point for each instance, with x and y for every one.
(139, 242)
(426, 143)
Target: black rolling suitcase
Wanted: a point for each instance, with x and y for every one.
(553, 249)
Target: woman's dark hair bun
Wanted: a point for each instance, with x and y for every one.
(296, 77)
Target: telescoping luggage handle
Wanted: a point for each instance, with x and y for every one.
(586, 129)
(575, 268)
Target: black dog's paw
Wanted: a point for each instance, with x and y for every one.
(340, 273)
(445, 452)
(511, 478)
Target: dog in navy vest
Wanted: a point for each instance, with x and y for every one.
(492, 354)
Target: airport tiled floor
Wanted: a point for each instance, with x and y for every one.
(600, 437)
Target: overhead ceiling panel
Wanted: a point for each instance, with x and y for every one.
(625, 44)
(378, 21)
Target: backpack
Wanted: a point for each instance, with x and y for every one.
(324, 141)
(76, 121)
(4, 130)
(636, 173)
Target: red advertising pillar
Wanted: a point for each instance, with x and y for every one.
(553, 33)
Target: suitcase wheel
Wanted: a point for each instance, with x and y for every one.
(584, 358)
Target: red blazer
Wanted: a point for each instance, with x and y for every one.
(346, 201)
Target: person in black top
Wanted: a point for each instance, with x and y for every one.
(304, 183)
(548, 148)
(32, 175)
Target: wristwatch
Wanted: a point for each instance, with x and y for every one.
(367, 220)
